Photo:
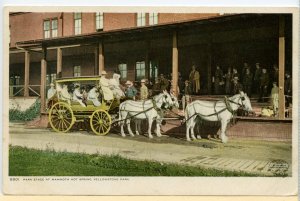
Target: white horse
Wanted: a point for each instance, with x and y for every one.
(149, 109)
(215, 111)
(138, 122)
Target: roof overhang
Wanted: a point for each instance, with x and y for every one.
(133, 31)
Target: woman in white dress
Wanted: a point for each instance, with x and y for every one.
(104, 84)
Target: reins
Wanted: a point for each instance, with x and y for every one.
(228, 107)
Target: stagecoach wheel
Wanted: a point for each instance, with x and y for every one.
(100, 122)
(61, 117)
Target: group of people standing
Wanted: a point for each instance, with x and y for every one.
(259, 81)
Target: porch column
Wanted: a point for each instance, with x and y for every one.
(59, 63)
(101, 58)
(175, 63)
(43, 81)
(281, 65)
(26, 76)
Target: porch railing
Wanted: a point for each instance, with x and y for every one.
(18, 90)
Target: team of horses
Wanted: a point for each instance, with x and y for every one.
(153, 109)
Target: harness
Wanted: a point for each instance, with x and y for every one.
(155, 107)
(228, 107)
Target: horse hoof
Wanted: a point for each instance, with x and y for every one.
(123, 135)
(188, 139)
(224, 140)
(199, 137)
(150, 136)
(137, 133)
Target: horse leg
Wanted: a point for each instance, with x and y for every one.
(193, 123)
(137, 126)
(122, 125)
(150, 120)
(129, 128)
(158, 123)
(188, 126)
(224, 138)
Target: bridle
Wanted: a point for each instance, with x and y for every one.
(241, 99)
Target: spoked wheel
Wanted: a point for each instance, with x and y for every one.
(61, 117)
(100, 122)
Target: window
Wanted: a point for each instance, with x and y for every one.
(99, 21)
(153, 18)
(54, 28)
(140, 70)
(50, 78)
(77, 71)
(123, 71)
(141, 19)
(153, 70)
(77, 23)
(50, 28)
(47, 29)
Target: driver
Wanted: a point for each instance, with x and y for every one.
(104, 84)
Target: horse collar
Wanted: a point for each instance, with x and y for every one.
(228, 106)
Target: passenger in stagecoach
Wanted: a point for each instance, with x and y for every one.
(107, 92)
(144, 90)
(130, 90)
(93, 95)
(51, 92)
(64, 94)
(237, 86)
(78, 95)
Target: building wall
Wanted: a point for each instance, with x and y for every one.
(177, 17)
(29, 26)
(119, 20)
(87, 63)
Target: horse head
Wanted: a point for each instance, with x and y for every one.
(245, 102)
(174, 100)
(167, 101)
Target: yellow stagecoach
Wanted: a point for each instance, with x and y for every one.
(64, 111)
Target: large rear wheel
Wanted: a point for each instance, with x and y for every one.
(61, 117)
(100, 122)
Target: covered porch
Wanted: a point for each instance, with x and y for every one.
(228, 40)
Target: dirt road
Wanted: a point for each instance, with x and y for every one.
(261, 157)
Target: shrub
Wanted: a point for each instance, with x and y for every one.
(27, 115)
